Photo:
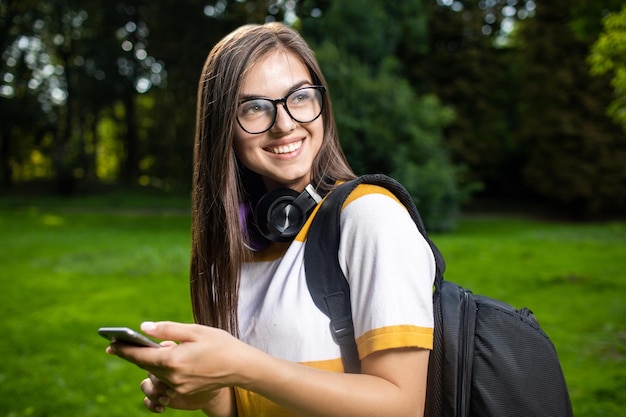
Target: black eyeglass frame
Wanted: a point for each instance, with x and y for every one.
(283, 100)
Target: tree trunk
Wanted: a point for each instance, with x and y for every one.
(130, 173)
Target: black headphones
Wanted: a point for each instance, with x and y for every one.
(278, 216)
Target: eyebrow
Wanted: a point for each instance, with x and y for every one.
(293, 88)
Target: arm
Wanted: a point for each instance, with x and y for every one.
(391, 383)
(201, 370)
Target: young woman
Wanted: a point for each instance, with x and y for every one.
(265, 130)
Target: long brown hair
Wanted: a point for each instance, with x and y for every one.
(218, 249)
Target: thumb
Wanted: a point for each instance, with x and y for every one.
(169, 330)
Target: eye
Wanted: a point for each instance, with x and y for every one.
(256, 107)
(300, 97)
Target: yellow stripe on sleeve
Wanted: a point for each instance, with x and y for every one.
(393, 337)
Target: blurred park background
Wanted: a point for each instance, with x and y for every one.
(506, 119)
(508, 99)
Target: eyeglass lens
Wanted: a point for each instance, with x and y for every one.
(257, 115)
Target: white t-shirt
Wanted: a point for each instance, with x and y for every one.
(390, 269)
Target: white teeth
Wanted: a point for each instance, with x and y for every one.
(287, 148)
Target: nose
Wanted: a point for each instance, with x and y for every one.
(283, 121)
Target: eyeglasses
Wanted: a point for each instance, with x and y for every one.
(258, 115)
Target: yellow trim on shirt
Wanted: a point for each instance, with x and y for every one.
(360, 191)
(365, 189)
(393, 337)
(255, 405)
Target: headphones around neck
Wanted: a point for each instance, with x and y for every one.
(278, 216)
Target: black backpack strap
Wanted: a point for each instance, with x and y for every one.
(327, 284)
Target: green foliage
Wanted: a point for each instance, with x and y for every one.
(573, 154)
(608, 55)
(107, 163)
(70, 266)
(529, 120)
(464, 69)
(68, 63)
(384, 126)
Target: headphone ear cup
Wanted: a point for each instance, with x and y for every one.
(277, 218)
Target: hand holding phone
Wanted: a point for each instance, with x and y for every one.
(126, 335)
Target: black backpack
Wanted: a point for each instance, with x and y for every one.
(488, 358)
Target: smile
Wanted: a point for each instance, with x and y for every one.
(278, 150)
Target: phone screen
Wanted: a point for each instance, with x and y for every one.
(126, 335)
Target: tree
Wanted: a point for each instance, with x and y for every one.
(384, 126)
(573, 155)
(182, 34)
(65, 54)
(71, 67)
(22, 121)
(468, 64)
(608, 55)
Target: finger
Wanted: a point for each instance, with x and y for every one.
(161, 386)
(149, 389)
(155, 407)
(155, 394)
(169, 330)
(140, 356)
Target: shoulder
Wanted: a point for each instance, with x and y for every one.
(374, 202)
(370, 190)
(365, 207)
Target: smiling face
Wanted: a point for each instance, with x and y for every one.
(282, 156)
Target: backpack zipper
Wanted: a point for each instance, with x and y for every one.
(467, 335)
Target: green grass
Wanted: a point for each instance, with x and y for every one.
(65, 271)
(69, 267)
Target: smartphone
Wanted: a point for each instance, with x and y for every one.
(126, 335)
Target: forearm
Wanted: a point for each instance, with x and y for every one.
(311, 392)
(314, 393)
